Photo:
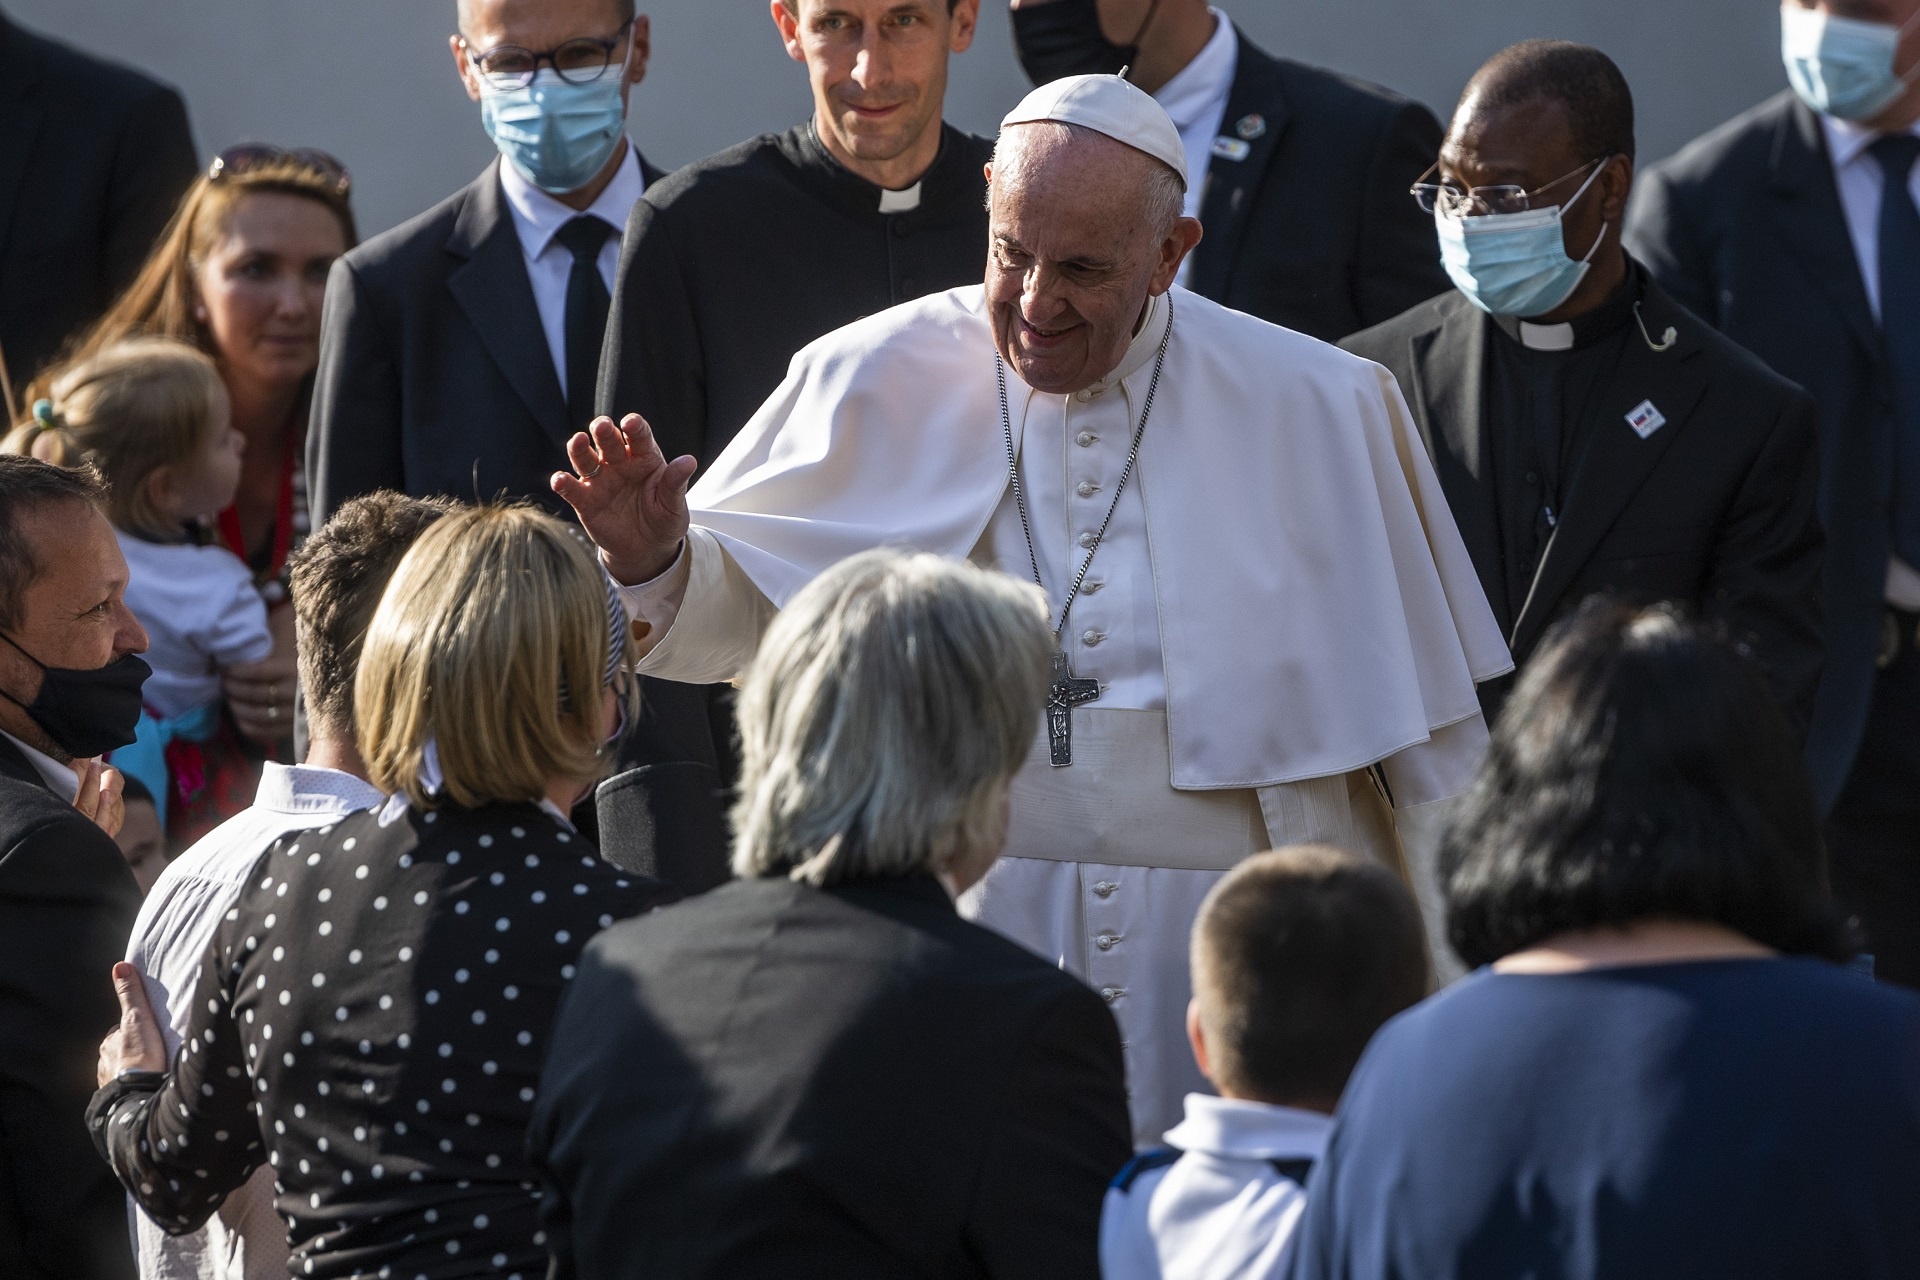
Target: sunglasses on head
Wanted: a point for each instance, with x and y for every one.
(250, 156)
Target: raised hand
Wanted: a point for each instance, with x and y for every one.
(631, 501)
(99, 798)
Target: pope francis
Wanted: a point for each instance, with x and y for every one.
(1268, 628)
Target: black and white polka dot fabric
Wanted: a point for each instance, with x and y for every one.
(370, 1020)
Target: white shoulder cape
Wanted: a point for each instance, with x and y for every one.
(1318, 610)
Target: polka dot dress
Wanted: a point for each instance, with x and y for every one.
(370, 1021)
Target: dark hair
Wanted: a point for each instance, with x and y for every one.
(134, 791)
(26, 485)
(1640, 771)
(337, 577)
(1579, 77)
(1298, 956)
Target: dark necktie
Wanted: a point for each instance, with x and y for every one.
(1900, 327)
(587, 304)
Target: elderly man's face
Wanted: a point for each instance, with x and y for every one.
(1073, 255)
(75, 616)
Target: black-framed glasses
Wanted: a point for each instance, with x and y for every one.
(1505, 197)
(250, 156)
(581, 60)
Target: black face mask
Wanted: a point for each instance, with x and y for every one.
(1063, 38)
(86, 713)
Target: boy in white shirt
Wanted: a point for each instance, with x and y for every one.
(1299, 956)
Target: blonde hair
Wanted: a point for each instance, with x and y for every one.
(160, 301)
(130, 409)
(890, 704)
(492, 617)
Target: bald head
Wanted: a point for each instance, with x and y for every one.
(1085, 230)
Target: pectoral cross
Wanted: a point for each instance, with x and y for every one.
(1063, 695)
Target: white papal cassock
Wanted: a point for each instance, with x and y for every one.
(1280, 602)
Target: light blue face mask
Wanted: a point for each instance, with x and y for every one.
(1514, 264)
(1842, 67)
(557, 134)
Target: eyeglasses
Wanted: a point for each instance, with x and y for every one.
(250, 156)
(1506, 197)
(581, 60)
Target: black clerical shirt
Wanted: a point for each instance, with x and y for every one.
(1545, 384)
(734, 263)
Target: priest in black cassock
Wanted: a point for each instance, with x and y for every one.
(734, 263)
(1592, 435)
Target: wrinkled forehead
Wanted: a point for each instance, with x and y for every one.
(1052, 175)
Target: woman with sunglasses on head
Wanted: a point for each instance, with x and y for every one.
(374, 1011)
(240, 273)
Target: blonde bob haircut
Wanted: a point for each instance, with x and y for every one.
(491, 618)
(890, 704)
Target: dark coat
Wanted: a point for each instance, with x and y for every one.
(93, 159)
(1715, 509)
(67, 903)
(1744, 227)
(1314, 228)
(771, 1080)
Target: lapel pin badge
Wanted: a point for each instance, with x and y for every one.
(1251, 126)
(1230, 148)
(1645, 419)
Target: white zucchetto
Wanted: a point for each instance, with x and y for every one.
(1109, 105)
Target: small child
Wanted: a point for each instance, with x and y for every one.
(1299, 956)
(151, 415)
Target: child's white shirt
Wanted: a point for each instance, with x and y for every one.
(1220, 1208)
(202, 614)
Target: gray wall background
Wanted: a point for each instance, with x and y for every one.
(372, 82)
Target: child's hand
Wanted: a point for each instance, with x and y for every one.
(99, 798)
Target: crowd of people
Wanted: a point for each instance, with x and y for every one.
(1232, 682)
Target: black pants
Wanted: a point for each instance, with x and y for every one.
(1873, 835)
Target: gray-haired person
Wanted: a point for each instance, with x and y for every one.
(821, 1069)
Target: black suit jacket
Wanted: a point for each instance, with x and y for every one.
(67, 903)
(1744, 227)
(775, 1081)
(1314, 228)
(93, 158)
(1715, 509)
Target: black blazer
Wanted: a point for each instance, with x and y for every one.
(93, 158)
(1744, 227)
(1314, 228)
(1714, 509)
(67, 903)
(774, 1081)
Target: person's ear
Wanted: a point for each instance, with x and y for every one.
(961, 25)
(162, 487)
(1197, 1038)
(1174, 249)
(640, 50)
(1616, 184)
(788, 21)
(463, 67)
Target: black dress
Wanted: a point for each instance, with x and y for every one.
(371, 1021)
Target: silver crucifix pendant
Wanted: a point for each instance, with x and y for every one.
(1063, 695)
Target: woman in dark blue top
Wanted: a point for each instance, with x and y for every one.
(1662, 1071)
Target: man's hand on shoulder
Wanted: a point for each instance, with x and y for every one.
(631, 501)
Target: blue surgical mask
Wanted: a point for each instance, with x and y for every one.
(557, 134)
(1842, 67)
(1514, 264)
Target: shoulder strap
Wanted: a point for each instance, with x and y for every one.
(1143, 1162)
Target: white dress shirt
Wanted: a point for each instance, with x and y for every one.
(537, 216)
(1861, 182)
(60, 779)
(1221, 1211)
(245, 1240)
(1196, 99)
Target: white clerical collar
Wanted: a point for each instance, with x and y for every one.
(1546, 337)
(904, 201)
(1245, 1130)
(1206, 80)
(539, 216)
(60, 780)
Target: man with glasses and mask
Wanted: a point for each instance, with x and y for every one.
(1795, 228)
(459, 350)
(1299, 175)
(69, 692)
(1590, 434)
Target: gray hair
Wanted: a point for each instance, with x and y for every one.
(889, 705)
(1163, 195)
